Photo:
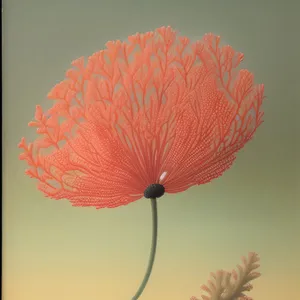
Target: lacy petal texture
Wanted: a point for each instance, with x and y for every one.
(232, 285)
(157, 108)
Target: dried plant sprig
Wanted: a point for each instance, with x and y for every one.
(225, 285)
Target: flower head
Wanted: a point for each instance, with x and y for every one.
(155, 114)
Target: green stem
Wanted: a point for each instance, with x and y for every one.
(152, 252)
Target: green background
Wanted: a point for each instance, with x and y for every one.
(54, 251)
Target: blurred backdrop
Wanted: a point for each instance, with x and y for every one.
(52, 250)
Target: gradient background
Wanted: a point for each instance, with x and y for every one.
(54, 251)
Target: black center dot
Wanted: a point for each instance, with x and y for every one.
(154, 191)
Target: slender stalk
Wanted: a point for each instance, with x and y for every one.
(152, 252)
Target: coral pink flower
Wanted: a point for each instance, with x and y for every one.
(155, 114)
(155, 109)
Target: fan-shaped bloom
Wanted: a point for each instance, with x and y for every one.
(155, 110)
(155, 114)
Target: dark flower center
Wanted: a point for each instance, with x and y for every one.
(154, 191)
